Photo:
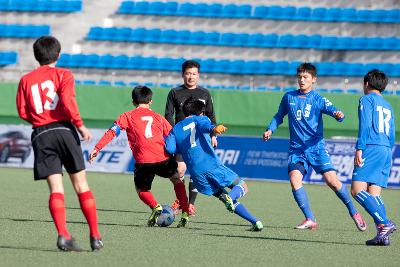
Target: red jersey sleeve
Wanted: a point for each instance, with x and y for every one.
(166, 126)
(68, 97)
(21, 102)
(120, 124)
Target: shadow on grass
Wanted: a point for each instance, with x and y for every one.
(286, 239)
(111, 210)
(73, 222)
(29, 248)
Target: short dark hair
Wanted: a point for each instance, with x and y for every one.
(46, 50)
(376, 79)
(190, 64)
(141, 95)
(307, 67)
(193, 106)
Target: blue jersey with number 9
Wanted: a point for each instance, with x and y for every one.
(191, 138)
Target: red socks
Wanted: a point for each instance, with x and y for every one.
(57, 211)
(148, 199)
(181, 195)
(88, 207)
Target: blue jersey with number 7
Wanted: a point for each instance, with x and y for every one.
(376, 122)
(191, 138)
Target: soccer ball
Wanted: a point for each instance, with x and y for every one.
(167, 216)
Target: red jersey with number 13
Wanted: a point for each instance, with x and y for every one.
(47, 95)
(146, 130)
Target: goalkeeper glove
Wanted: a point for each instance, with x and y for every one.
(219, 129)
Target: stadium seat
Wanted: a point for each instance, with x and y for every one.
(122, 34)
(185, 9)
(229, 11)
(348, 15)
(214, 10)
(91, 61)
(197, 37)
(170, 8)
(211, 38)
(142, 35)
(8, 58)
(152, 36)
(303, 13)
(104, 82)
(318, 14)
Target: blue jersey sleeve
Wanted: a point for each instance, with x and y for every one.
(278, 118)
(364, 122)
(203, 124)
(328, 108)
(170, 144)
(392, 131)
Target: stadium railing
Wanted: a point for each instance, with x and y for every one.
(267, 67)
(273, 12)
(62, 6)
(8, 58)
(23, 31)
(185, 37)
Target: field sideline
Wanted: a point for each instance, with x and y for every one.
(214, 237)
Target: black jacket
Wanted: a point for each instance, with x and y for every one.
(177, 96)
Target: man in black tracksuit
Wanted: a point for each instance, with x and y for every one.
(175, 100)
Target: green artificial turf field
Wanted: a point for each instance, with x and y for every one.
(213, 238)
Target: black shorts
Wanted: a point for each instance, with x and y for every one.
(56, 145)
(145, 172)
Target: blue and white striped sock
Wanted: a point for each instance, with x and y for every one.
(372, 206)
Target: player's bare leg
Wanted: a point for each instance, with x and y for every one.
(300, 195)
(65, 241)
(341, 191)
(88, 207)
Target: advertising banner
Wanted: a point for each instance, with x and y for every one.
(249, 157)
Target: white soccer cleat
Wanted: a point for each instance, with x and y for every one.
(307, 224)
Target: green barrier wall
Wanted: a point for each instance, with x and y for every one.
(244, 113)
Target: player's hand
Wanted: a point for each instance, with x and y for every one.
(358, 160)
(338, 115)
(219, 129)
(214, 141)
(267, 135)
(93, 154)
(85, 133)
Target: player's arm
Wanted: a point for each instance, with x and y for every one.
(364, 126)
(328, 108)
(204, 125)
(169, 108)
(277, 119)
(170, 144)
(68, 98)
(21, 103)
(209, 112)
(108, 136)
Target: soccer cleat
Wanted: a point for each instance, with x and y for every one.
(307, 224)
(154, 215)
(96, 243)
(376, 241)
(65, 244)
(257, 227)
(184, 220)
(228, 202)
(175, 206)
(385, 230)
(192, 210)
(359, 221)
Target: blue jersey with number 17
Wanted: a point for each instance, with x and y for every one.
(376, 122)
(191, 138)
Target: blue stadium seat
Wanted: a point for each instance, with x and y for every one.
(328, 42)
(104, 83)
(185, 9)
(256, 40)
(260, 12)
(229, 11)
(8, 58)
(285, 41)
(318, 14)
(149, 63)
(251, 67)
(170, 8)
(77, 61)
(333, 14)
(228, 39)
(211, 38)
(270, 40)
(135, 63)
(105, 61)
(200, 10)
(243, 11)
(156, 8)
(152, 36)
(168, 36)
(89, 82)
(126, 7)
(303, 13)
(197, 37)
(141, 8)
(141, 35)
(353, 91)
(282, 68)
(122, 34)
(182, 37)
(363, 15)
(337, 91)
(301, 41)
(120, 62)
(315, 41)
(391, 16)
(214, 10)
(91, 61)
(120, 83)
(348, 15)
(208, 65)
(95, 33)
(274, 12)
(288, 13)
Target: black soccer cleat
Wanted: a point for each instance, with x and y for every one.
(65, 244)
(96, 243)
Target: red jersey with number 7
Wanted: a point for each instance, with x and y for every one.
(47, 95)
(146, 130)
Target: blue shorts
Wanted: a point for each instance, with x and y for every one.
(318, 158)
(376, 168)
(212, 181)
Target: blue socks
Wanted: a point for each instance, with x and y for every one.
(242, 211)
(374, 206)
(344, 196)
(300, 195)
(237, 192)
